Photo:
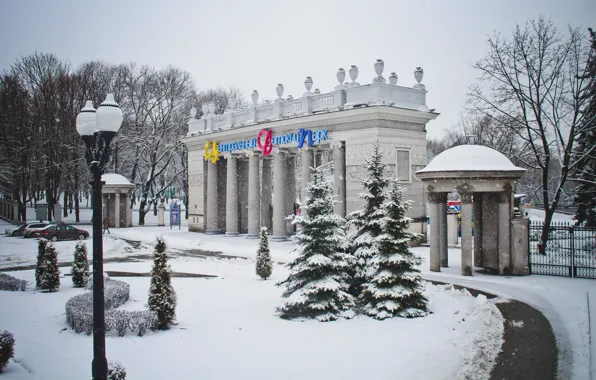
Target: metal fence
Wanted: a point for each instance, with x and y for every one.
(570, 251)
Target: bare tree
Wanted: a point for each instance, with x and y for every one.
(534, 79)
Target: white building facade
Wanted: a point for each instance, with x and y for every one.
(249, 167)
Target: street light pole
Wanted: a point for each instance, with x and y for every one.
(99, 365)
(97, 129)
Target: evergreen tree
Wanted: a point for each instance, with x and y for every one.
(40, 266)
(80, 266)
(395, 287)
(366, 221)
(585, 151)
(317, 285)
(50, 278)
(162, 296)
(264, 264)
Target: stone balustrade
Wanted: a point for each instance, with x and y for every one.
(346, 96)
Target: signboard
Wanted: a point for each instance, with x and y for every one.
(174, 214)
(265, 141)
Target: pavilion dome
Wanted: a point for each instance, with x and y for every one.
(470, 158)
(114, 179)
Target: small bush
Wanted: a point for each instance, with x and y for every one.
(264, 265)
(116, 371)
(50, 278)
(10, 283)
(162, 296)
(6, 348)
(80, 266)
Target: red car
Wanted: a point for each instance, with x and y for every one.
(62, 232)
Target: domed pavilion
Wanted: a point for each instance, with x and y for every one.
(485, 180)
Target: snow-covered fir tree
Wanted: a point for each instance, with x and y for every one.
(318, 282)
(162, 296)
(80, 266)
(395, 288)
(365, 223)
(40, 265)
(264, 265)
(50, 277)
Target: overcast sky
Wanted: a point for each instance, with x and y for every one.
(257, 44)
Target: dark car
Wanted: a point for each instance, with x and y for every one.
(63, 232)
(30, 226)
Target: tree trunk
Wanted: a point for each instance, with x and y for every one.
(77, 212)
(142, 212)
(65, 206)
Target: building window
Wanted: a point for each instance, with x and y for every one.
(403, 170)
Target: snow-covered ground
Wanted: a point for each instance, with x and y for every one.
(227, 328)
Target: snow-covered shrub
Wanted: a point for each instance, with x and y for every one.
(264, 265)
(49, 278)
(318, 282)
(10, 283)
(116, 371)
(162, 296)
(79, 311)
(6, 348)
(80, 266)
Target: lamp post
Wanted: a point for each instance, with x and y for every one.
(97, 129)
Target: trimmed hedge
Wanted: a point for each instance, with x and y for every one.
(79, 311)
(10, 283)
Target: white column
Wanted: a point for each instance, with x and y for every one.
(117, 211)
(231, 196)
(467, 262)
(435, 228)
(212, 199)
(266, 189)
(254, 196)
(477, 229)
(504, 232)
(290, 186)
(339, 178)
(279, 195)
(443, 231)
(307, 163)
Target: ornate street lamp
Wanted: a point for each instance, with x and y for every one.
(97, 129)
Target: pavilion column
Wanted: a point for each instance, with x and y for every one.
(231, 196)
(443, 231)
(478, 229)
(504, 232)
(117, 210)
(254, 200)
(307, 164)
(266, 190)
(279, 195)
(435, 231)
(290, 187)
(212, 199)
(339, 178)
(467, 264)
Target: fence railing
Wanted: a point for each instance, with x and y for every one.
(570, 251)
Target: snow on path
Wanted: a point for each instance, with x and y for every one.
(562, 300)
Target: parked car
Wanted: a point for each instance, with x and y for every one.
(12, 230)
(35, 233)
(30, 226)
(63, 232)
